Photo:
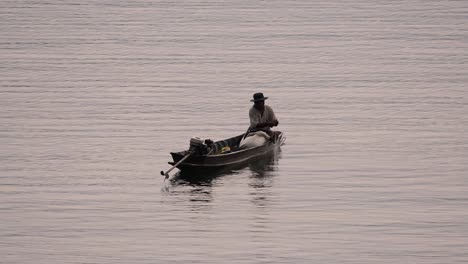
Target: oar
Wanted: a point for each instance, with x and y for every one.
(175, 165)
(246, 132)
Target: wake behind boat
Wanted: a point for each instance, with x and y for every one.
(206, 155)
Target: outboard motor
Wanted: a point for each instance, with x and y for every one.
(200, 146)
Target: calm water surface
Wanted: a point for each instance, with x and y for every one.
(372, 96)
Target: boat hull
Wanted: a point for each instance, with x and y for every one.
(220, 161)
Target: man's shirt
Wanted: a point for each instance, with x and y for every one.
(256, 117)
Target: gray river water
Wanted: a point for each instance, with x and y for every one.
(371, 95)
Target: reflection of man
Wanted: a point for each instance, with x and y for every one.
(261, 116)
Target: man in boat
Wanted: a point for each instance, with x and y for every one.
(262, 116)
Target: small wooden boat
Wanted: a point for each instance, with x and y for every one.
(205, 155)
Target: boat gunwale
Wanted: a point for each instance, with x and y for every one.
(231, 162)
(231, 153)
(239, 151)
(214, 161)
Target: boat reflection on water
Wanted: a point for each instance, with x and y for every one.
(198, 188)
(260, 167)
(261, 181)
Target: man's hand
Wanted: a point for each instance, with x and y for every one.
(268, 124)
(273, 124)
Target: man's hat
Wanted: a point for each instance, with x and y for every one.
(258, 97)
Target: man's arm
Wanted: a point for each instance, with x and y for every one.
(255, 118)
(274, 121)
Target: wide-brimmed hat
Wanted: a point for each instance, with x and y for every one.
(258, 97)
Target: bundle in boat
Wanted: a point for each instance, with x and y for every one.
(254, 139)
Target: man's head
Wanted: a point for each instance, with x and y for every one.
(258, 97)
(259, 100)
